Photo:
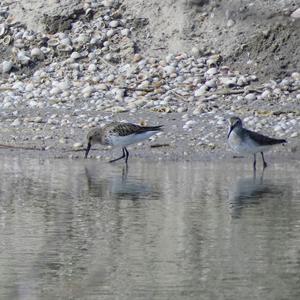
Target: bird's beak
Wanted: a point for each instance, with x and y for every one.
(230, 129)
(87, 150)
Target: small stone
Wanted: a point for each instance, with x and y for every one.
(181, 109)
(118, 109)
(228, 81)
(75, 55)
(55, 91)
(199, 92)
(296, 14)
(36, 53)
(87, 91)
(16, 123)
(108, 3)
(189, 124)
(77, 146)
(125, 32)
(137, 57)
(38, 120)
(114, 24)
(277, 128)
(212, 83)
(295, 76)
(110, 33)
(195, 52)
(92, 68)
(265, 94)
(250, 97)
(212, 71)
(7, 66)
(294, 134)
(169, 69)
(230, 23)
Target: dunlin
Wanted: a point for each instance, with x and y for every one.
(120, 134)
(244, 141)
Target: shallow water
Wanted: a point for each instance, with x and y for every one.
(90, 230)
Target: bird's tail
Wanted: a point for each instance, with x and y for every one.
(152, 128)
(282, 141)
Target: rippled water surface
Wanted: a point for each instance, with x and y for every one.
(89, 230)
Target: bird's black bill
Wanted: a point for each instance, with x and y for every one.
(231, 127)
(87, 150)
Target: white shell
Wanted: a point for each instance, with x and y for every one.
(36, 53)
(23, 58)
(75, 55)
(6, 40)
(53, 42)
(2, 29)
(64, 48)
(6, 66)
(81, 40)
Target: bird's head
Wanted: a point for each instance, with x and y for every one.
(93, 137)
(234, 122)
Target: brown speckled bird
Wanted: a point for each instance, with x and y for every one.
(120, 134)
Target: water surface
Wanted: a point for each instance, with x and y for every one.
(90, 230)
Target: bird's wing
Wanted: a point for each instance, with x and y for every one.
(123, 129)
(264, 140)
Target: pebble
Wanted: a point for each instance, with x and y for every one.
(212, 71)
(296, 14)
(114, 24)
(16, 123)
(201, 91)
(250, 97)
(212, 83)
(230, 23)
(265, 94)
(77, 146)
(169, 69)
(36, 53)
(7, 66)
(294, 134)
(228, 81)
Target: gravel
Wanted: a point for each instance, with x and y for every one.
(55, 87)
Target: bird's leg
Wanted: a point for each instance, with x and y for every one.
(262, 155)
(123, 155)
(254, 162)
(126, 155)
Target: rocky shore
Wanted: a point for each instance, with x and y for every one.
(86, 69)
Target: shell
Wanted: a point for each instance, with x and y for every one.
(19, 44)
(6, 40)
(36, 53)
(65, 41)
(23, 58)
(2, 30)
(6, 66)
(64, 48)
(80, 41)
(53, 42)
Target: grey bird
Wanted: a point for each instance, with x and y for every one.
(244, 141)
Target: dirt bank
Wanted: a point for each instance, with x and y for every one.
(255, 36)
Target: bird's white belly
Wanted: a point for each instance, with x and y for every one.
(131, 138)
(246, 146)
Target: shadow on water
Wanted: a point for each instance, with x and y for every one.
(251, 191)
(119, 186)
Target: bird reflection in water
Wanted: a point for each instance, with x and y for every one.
(246, 192)
(120, 187)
